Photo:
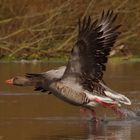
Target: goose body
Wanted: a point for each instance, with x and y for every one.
(81, 82)
(76, 95)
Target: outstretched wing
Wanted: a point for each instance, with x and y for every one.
(93, 45)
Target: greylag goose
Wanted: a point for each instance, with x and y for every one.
(81, 83)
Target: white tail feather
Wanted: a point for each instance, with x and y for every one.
(118, 97)
(107, 100)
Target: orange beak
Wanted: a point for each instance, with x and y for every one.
(9, 81)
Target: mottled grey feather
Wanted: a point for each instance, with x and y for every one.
(93, 45)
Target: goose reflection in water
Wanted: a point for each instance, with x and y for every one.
(85, 129)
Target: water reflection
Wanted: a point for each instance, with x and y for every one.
(109, 132)
(67, 128)
(87, 130)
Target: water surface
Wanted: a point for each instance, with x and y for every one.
(29, 115)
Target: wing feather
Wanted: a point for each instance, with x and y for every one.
(90, 52)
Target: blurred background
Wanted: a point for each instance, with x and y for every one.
(39, 29)
(46, 30)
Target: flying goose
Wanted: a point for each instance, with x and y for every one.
(80, 83)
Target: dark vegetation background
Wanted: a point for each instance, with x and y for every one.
(36, 29)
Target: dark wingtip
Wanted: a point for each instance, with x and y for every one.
(79, 24)
(84, 22)
(38, 89)
(30, 75)
(103, 14)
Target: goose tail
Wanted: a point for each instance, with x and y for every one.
(118, 97)
(115, 95)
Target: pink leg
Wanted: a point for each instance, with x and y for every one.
(93, 113)
(83, 110)
(94, 116)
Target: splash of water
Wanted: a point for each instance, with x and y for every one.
(128, 113)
